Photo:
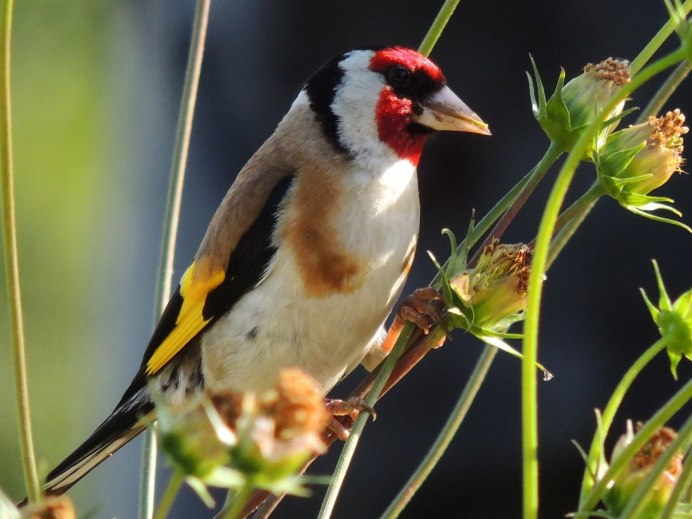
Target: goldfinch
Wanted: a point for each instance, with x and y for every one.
(307, 253)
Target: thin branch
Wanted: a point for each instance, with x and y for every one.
(31, 481)
(171, 219)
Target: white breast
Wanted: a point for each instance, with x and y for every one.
(279, 323)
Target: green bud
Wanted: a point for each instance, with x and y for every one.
(228, 439)
(573, 106)
(494, 293)
(630, 478)
(635, 161)
(674, 321)
(195, 439)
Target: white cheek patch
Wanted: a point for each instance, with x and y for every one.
(355, 105)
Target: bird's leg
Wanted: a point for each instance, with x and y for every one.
(350, 407)
(424, 308)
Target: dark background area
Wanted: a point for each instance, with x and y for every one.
(594, 322)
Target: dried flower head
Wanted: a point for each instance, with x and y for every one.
(280, 428)
(299, 406)
(575, 105)
(639, 467)
(225, 437)
(587, 94)
(52, 507)
(495, 291)
(636, 160)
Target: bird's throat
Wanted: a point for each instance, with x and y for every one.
(394, 127)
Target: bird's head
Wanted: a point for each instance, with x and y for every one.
(385, 101)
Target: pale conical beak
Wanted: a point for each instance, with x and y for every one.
(445, 111)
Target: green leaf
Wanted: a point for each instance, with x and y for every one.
(199, 488)
(444, 281)
(540, 106)
(502, 345)
(639, 211)
(613, 164)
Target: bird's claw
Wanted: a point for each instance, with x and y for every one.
(424, 308)
(350, 407)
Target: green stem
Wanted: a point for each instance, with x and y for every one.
(534, 178)
(240, 499)
(506, 209)
(636, 503)
(171, 219)
(529, 392)
(438, 25)
(26, 442)
(677, 495)
(445, 436)
(666, 90)
(171, 492)
(655, 43)
(609, 414)
(677, 402)
(354, 436)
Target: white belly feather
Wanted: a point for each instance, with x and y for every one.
(279, 324)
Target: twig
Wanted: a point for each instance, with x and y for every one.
(535, 289)
(31, 481)
(357, 429)
(171, 219)
(438, 25)
(445, 436)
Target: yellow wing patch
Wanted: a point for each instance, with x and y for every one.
(195, 285)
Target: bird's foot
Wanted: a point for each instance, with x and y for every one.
(424, 308)
(350, 407)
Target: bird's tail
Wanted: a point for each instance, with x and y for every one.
(126, 422)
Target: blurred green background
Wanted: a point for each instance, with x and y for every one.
(78, 225)
(96, 90)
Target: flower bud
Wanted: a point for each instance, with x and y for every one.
(193, 438)
(263, 436)
(674, 321)
(635, 161)
(281, 428)
(586, 95)
(639, 467)
(494, 292)
(575, 105)
(52, 507)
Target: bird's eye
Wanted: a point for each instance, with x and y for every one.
(398, 76)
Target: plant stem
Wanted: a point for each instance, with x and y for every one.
(171, 219)
(354, 436)
(633, 510)
(171, 492)
(26, 442)
(438, 25)
(677, 402)
(529, 394)
(666, 90)
(570, 220)
(609, 414)
(534, 178)
(567, 221)
(240, 498)
(655, 43)
(445, 436)
(684, 483)
(507, 208)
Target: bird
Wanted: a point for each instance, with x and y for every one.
(308, 251)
